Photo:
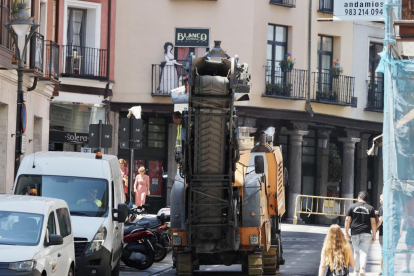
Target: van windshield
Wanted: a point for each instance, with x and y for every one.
(18, 228)
(84, 196)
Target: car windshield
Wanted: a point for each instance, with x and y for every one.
(20, 228)
(85, 196)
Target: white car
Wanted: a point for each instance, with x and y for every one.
(35, 236)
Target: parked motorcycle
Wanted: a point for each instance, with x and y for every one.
(138, 249)
(158, 225)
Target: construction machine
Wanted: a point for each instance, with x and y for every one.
(225, 207)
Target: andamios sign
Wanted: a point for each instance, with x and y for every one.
(358, 10)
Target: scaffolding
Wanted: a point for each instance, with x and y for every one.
(398, 146)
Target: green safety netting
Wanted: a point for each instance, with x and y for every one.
(398, 152)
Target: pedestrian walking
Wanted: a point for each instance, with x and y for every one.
(124, 175)
(380, 230)
(408, 223)
(177, 118)
(336, 256)
(141, 187)
(361, 219)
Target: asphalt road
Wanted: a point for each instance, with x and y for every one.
(302, 246)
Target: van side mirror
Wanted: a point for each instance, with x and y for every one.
(122, 212)
(54, 239)
(259, 164)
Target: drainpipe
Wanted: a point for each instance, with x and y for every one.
(308, 106)
(109, 38)
(32, 14)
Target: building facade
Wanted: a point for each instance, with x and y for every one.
(85, 34)
(324, 153)
(38, 84)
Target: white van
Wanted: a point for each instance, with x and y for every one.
(92, 187)
(35, 236)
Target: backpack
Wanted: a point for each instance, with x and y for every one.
(338, 272)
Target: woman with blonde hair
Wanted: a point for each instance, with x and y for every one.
(141, 187)
(124, 175)
(336, 254)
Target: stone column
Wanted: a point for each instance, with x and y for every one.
(362, 163)
(322, 161)
(348, 166)
(378, 183)
(295, 166)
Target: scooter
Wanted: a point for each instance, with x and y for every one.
(138, 250)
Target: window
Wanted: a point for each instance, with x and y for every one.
(156, 133)
(326, 6)
(18, 228)
(5, 16)
(276, 51)
(55, 21)
(87, 197)
(76, 32)
(51, 225)
(375, 79)
(325, 52)
(64, 222)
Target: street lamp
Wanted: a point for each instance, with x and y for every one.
(21, 25)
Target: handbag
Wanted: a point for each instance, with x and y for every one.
(338, 272)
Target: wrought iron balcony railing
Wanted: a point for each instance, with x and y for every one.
(375, 94)
(52, 60)
(286, 3)
(337, 89)
(326, 6)
(37, 56)
(289, 84)
(84, 62)
(165, 78)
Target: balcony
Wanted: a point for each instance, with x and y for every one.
(290, 84)
(326, 6)
(333, 89)
(375, 95)
(285, 3)
(37, 56)
(164, 78)
(51, 74)
(84, 62)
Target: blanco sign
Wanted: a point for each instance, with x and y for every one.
(358, 10)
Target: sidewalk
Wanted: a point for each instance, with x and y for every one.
(374, 258)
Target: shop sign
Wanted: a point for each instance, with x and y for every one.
(68, 137)
(86, 150)
(23, 145)
(358, 10)
(192, 37)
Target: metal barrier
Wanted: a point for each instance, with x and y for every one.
(322, 205)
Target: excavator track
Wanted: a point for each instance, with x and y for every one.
(255, 264)
(184, 264)
(270, 265)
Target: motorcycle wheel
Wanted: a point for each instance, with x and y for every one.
(160, 252)
(148, 263)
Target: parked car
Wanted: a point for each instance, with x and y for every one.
(35, 236)
(91, 184)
